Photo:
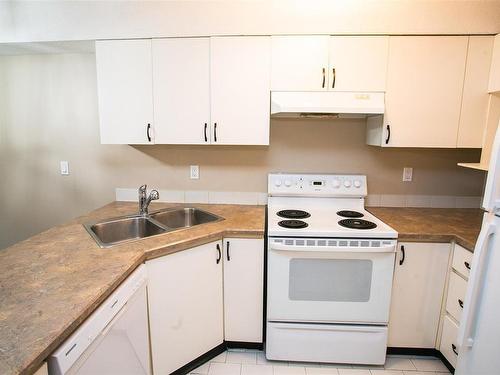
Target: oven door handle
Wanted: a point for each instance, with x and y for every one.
(334, 249)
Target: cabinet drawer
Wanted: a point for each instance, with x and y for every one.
(462, 260)
(449, 341)
(456, 295)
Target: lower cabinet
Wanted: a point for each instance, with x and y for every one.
(417, 294)
(455, 300)
(243, 289)
(200, 297)
(185, 306)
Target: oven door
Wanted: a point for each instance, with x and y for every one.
(330, 281)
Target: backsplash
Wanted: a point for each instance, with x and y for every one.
(259, 198)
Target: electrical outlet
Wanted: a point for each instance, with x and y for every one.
(64, 167)
(194, 172)
(407, 174)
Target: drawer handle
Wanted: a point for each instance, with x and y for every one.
(205, 132)
(227, 251)
(454, 348)
(467, 265)
(388, 127)
(324, 77)
(461, 303)
(334, 77)
(148, 128)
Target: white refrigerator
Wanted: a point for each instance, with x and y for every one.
(479, 332)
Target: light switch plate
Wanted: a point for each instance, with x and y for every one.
(64, 166)
(194, 172)
(407, 174)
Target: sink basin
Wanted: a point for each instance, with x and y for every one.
(131, 228)
(124, 229)
(183, 217)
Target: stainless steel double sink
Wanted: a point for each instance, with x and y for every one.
(135, 227)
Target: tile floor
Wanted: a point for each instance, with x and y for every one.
(254, 362)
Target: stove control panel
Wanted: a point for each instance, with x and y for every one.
(321, 185)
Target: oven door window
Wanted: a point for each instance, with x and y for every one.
(335, 280)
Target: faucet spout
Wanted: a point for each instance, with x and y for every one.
(144, 200)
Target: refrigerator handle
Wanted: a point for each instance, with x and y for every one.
(476, 277)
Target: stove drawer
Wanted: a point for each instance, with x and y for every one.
(326, 343)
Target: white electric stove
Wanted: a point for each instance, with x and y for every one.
(330, 270)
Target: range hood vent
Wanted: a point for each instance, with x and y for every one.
(335, 104)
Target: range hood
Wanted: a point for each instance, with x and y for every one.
(329, 104)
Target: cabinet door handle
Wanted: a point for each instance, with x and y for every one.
(461, 303)
(148, 128)
(467, 265)
(333, 78)
(227, 251)
(324, 78)
(388, 134)
(454, 348)
(205, 132)
(215, 132)
(219, 254)
(402, 260)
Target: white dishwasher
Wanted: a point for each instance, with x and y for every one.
(114, 339)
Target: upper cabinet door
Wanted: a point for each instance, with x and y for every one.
(494, 81)
(425, 76)
(475, 96)
(181, 77)
(299, 63)
(358, 63)
(125, 91)
(240, 92)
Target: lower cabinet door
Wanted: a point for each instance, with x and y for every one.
(449, 346)
(243, 289)
(185, 306)
(417, 294)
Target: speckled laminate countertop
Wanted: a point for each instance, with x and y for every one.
(52, 281)
(433, 224)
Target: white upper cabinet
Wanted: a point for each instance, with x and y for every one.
(181, 76)
(240, 90)
(125, 91)
(494, 81)
(337, 63)
(299, 63)
(475, 96)
(425, 76)
(358, 63)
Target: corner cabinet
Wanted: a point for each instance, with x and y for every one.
(417, 294)
(185, 306)
(201, 297)
(125, 91)
(213, 90)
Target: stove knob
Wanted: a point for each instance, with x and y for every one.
(336, 183)
(347, 183)
(288, 183)
(277, 183)
(357, 184)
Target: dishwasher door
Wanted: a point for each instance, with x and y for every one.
(120, 347)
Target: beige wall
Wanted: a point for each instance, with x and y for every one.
(48, 113)
(27, 21)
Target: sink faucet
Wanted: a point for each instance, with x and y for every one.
(144, 200)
